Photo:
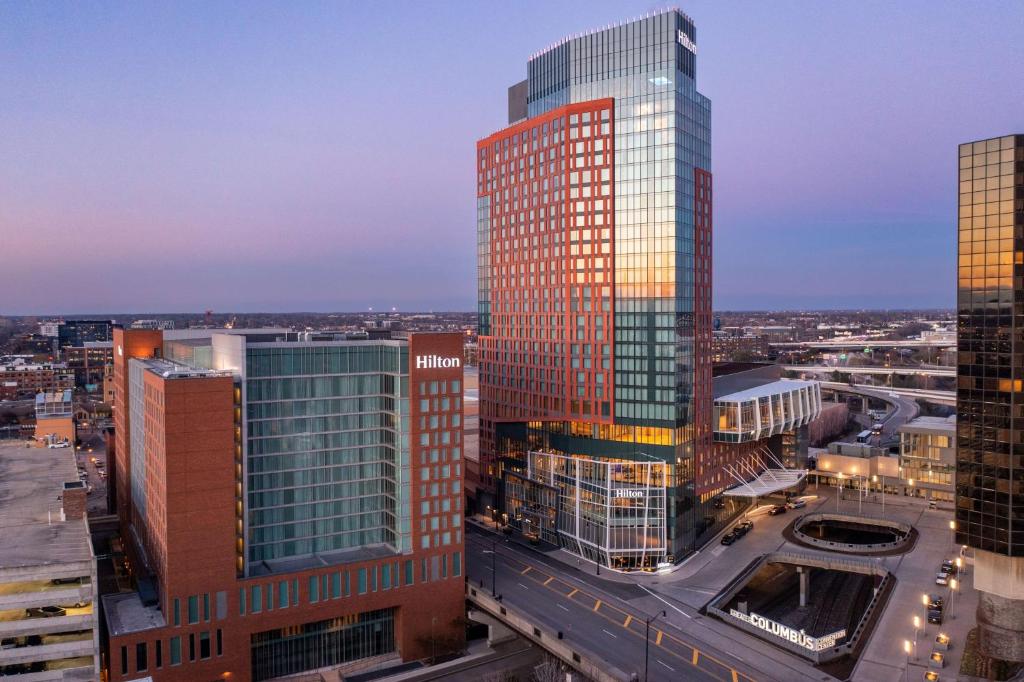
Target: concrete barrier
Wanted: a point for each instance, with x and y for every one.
(816, 560)
(587, 663)
(853, 548)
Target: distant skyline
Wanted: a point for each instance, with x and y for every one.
(267, 157)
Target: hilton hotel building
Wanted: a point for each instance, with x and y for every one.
(287, 501)
(594, 288)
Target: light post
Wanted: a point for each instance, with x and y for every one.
(959, 564)
(839, 477)
(953, 584)
(494, 572)
(917, 632)
(952, 533)
(874, 479)
(924, 603)
(906, 669)
(647, 640)
(433, 647)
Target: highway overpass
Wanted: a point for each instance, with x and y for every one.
(930, 371)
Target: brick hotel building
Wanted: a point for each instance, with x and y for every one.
(594, 291)
(287, 502)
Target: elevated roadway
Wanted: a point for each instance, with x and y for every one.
(929, 370)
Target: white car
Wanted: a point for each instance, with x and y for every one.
(58, 445)
(941, 579)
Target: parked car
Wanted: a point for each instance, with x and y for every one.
(948, 567)
(942, 579)
(936, 602)
(729, 538)
(532, 538)
(54, 446)
(796, 504)
(744, 527)
(935, 616)
(777, 509)
(46, 612)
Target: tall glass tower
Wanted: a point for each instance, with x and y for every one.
(594, 261)
(990, 395)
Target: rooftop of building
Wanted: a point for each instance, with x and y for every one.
(31, 530)
(938, 424)
(772, 388)
(169, 369)
(125, 613)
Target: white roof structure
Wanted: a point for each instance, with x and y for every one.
(768, 482)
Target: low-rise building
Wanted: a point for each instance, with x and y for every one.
(923, 468)
(48, 624)
(87, 362)
(55, 422)
(928, 456)
(20, 378)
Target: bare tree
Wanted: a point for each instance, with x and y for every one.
(501, 676)
(551, 670)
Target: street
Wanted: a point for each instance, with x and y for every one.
(601, 622)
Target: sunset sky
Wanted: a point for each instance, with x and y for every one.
(278, 156)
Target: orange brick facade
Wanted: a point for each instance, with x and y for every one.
(189, 532)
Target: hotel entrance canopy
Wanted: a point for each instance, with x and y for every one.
(768, 482)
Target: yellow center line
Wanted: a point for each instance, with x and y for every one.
(548, 580)
(628, 619)
(696, 653)
(657, 642)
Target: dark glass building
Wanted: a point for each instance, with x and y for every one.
(990, 385)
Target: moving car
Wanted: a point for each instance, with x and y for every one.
(796, 504)
(777, 509)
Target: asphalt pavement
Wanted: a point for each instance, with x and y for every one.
(593, 613)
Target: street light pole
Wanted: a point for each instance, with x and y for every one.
(647, 640)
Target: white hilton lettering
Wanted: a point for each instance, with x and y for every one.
(436, 362)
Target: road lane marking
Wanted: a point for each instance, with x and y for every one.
(627, 621)
(665, 664)
(616, 637)
(548, 580)
(735, 677)
(665, 602)
(523, 586)
(673, 638)
(657, 642)
(696, 655)
(562, 606)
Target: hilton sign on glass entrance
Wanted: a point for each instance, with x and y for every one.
(437, 362)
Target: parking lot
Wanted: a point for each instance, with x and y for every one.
(92, 458)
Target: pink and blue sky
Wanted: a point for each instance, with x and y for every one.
(266, 156)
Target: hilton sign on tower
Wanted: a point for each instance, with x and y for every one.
(437, 362)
